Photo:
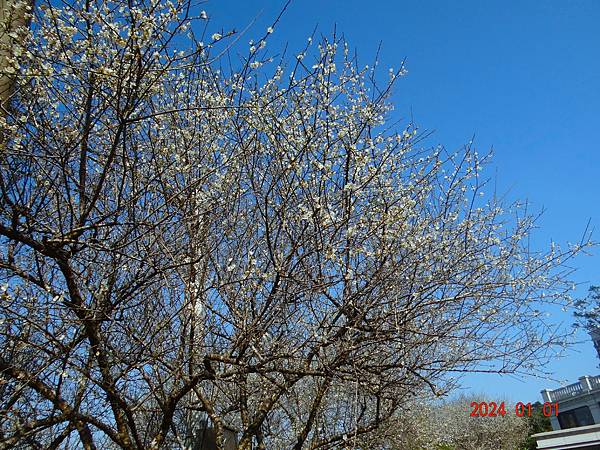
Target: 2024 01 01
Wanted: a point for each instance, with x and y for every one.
(493, 409)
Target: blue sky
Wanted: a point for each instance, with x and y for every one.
(523, 77)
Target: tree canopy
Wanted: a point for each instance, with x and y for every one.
(259, 244)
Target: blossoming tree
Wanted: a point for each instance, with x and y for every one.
(258, 245)
(448, 425)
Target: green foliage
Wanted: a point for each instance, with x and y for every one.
(537, 423)
(445, 447)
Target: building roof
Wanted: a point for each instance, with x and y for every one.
(587, 438)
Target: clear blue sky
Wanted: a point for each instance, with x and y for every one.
(522, 76)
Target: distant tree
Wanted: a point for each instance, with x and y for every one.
(587, 315)
(448, 425)
(536, 423)
(588, 309)
(255, 246)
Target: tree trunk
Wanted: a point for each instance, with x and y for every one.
(12, 18)
(245, 443)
